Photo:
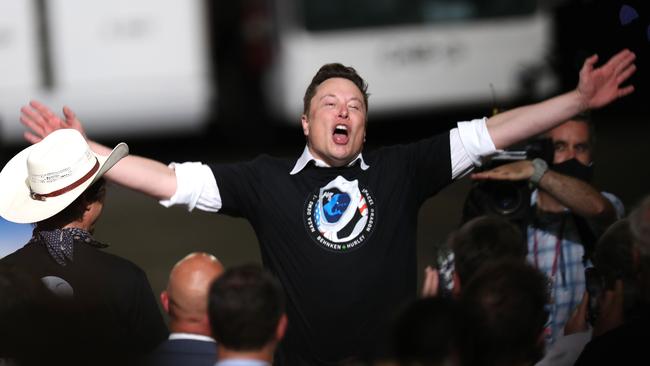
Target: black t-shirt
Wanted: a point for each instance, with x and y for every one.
(341, 240)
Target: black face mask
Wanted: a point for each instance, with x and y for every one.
(576, 169)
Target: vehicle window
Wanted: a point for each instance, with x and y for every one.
(345, 14)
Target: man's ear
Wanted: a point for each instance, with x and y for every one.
(281, 328)
(164, 300)
(305, 124)
(455, 290)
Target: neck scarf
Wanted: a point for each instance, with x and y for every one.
(59, 242)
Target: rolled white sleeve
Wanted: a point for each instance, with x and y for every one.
(196, 187)
(468, 143)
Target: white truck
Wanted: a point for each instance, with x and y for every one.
(414, 54)
(126, 67)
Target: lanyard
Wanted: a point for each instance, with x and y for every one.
(558, 251)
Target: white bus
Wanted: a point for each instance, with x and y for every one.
(415, 54)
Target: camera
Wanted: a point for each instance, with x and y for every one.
(509, 199)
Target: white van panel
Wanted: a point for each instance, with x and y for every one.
(126, 67)
(425, 66)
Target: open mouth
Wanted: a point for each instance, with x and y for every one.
(340, 134)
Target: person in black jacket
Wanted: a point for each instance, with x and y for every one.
(105, 308)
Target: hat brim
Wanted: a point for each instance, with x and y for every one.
(16, 204)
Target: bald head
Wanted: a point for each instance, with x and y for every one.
(186, 297)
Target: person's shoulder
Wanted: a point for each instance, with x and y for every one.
(266, 163)
(616, 202)
(610, 196)
(263, 161)
(438, 140)
(107, 261)
(172, 351)
(25, 252)
(272, 159)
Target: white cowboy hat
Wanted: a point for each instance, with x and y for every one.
(45, 178)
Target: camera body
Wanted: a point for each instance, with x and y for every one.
(509, 199)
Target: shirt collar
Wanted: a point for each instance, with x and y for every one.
(306, 157)
(196, 337)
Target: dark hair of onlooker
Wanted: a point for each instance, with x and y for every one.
(613, 252)
(640, 226)
(245, 305)
(613, 259)
(425, 332)
(334, 70)
(504, 312)
(75, 211)
(585, 117)
(484, 239)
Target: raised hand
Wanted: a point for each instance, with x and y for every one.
(520, 170)
(41, 121)
(602, 85)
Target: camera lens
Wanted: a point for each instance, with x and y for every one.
(506, 198)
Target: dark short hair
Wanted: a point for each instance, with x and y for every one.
(96, 192)
(425, 331)
(484, 239)
(334, 70)
(613, 253)
(614, 260)
(584, 117)
(640, 226)
(504, 312)
(245, 305)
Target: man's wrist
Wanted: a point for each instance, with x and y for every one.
(540, 167)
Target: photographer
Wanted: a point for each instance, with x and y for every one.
(567, 215)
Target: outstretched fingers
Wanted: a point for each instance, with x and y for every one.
(622, 60)
(625, 73)
(51, 120)
(31, 138)
(41, 121)
(32, 121)
(600, 86)
(625, 91)
(72, 121)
